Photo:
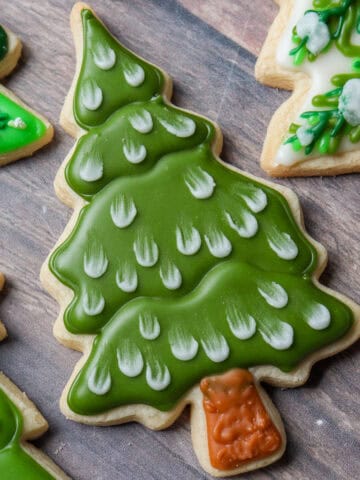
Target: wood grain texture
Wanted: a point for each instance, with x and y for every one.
(240, 20)
(213, 76)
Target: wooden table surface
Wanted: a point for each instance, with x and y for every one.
(209, 47)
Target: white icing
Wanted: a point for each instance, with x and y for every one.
(317, 32)
(218, 245)
(287, 156)
(170, 276)
(280, 335)
(130, 360)
(274, 294)
(99, 383)
(93, 303)
(200, 183)
(349, 102)
(123, 211)
(181, 127)
(286, 43)
(306, 24)
(327, 64)
(17, 123)
(95, 260)
(256, 201)
(149, 326)
(283, 245)
(104, 56)
(146, 251)
(134, 75)
(188, 240)
(242, 325)
(91, 168)
(157, 376)
(91, 95)
(318, 316)
(249, 225)
(126, 278)
(216, 347)
(142, 121)
(134, 153)
(304, 135)
(184, 347)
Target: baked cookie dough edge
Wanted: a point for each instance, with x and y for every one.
(268, 72)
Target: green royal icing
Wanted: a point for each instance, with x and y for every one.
(340, 19)
(3, 43)
(165, 206)
(12, 136)
(18, 127)
(95, 151)
(179, 265)
(327, 126)
(15, 463)
(225, 322)
(100, 85)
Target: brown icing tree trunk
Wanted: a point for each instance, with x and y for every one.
(239, 428)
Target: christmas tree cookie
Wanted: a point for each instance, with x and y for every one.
(20, 421)
(22, 131)
(181, 279)
(313, 48)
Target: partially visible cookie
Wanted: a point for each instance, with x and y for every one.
(313, 49)
(20, 421)
(22, 130)
(10, 51)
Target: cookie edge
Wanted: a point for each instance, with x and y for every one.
(268, 72)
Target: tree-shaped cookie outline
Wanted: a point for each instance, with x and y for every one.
(29, 425)
(35, 128)
(325, 159)
(150, 416)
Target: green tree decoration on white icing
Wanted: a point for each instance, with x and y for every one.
(329, 22)
(329, 31)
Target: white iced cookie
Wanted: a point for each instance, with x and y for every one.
(317, 131)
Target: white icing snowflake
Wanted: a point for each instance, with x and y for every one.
(17, 123)
(349, 102)
(316, 31)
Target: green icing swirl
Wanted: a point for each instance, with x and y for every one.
(350, 24)
(15, 463)
(3, 43)
(170, 242)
